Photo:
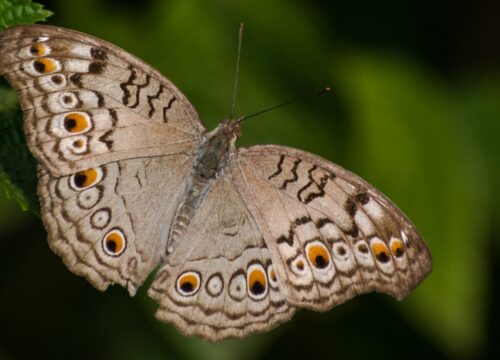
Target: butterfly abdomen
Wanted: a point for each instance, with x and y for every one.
(210, 161)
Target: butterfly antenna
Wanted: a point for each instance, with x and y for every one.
(240, 39)
(300, 98)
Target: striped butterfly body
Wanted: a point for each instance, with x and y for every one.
(129, 180)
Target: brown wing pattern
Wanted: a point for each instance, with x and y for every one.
(87, 102)
(331, 235)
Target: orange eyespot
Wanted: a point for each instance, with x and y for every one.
(39, 49)
(86, 178)
(397, 248)
(45, 65)
(76, 122)
(381, 251)
(257, 281)
(114, 243)
(318, 255)
(188, 283)
(273, 275)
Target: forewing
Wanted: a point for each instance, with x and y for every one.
(110, 223)
(87, 102)
(220, 281)
(331, 235)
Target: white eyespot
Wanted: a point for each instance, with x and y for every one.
(237, 286)
(298, 265)
(257, 281)
(188, 283)
(114, 242)
(271, 275)
(101, 218)
(215, 285)
(52, 82)
(344, 258)
(76, 145)
(89, 198)
(341, 250)
(67, 100)
(363, 254)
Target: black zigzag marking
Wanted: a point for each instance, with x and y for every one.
(154, 97)
(114, 116)
(295, 175)
(291, 232)
(123, 85)
(321, 186)
(138, 93)
(130, 82)
(279, 169)
(104, 138)
(166, 108)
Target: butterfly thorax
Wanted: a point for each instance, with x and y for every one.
(211, 159)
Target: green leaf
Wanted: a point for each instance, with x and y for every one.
(15, 12)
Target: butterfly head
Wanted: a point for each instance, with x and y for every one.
(228, 132)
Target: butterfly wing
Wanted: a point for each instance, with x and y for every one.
(110, 223)
(330, 234)
(87, 102)
(114, 139)
(220, 282)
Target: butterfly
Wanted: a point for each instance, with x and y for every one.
(130, 181)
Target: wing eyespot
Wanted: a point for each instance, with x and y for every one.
(298, 265)
(237, 286)
(114, 242)
(380, 251)
(257, 281)
(39, 49)
(318, 255)
(86, 178)
(271, 275)
(397, 248)
(77, 123)
(46, 65)
(188, 283)
(215, 285)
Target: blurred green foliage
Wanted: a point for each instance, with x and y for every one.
(424, 134)
(15, 12)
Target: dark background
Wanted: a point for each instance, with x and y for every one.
(415, 110)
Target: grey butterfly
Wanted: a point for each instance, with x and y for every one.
(129, 180)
